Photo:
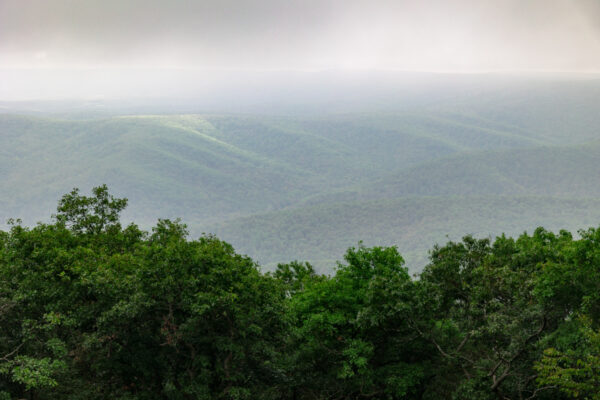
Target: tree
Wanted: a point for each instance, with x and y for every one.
(484, 318)
(90, 215)
(574, 370)
(343, 346)
(92, 310)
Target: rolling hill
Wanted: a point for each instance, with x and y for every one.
(481, 193)
(322, 233)
(405, 167)
(558, 171)
(206, 168)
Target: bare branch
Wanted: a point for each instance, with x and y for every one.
(536, 391)
(7, 356)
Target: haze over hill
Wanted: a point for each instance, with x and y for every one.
(293, 177)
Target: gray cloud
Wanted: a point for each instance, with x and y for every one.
(447, 35)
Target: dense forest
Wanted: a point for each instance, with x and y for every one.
(91, 308)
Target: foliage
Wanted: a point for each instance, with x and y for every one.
(575, 371)
(92, 309)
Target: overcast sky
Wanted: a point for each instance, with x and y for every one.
(304, 35)
(421, 35)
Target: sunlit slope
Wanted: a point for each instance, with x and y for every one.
(365, 144)
(211, 167)
(321, 233)
(171, 165)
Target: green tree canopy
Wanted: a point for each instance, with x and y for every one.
(90, 309)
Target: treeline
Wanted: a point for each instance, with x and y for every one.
(91, 309)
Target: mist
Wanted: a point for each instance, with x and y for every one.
(58, 49)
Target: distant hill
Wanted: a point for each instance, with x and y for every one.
(177, 166)
(560, 171)
(322, 233)
(400, 162)
(206, 168)
(483, 193)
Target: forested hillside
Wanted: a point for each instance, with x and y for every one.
(93, 309)
(322, 232)
(217, 166)
(559, 171)
(401, 163)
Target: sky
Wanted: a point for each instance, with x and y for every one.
(462, 36)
